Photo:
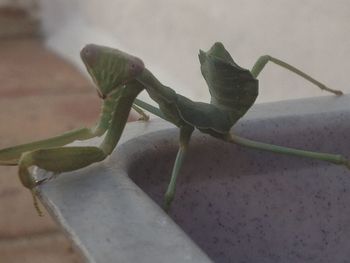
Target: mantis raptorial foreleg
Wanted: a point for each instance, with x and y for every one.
(185, 136)
(64, 159)
(11, 155)
(262, 61)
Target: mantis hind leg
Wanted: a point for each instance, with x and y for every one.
(331, 158)
(262, 61)
(60, 159)
(185, 136)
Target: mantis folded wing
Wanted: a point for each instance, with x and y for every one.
(120, 77)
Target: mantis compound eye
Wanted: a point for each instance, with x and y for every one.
(136, 67)
(89, 54)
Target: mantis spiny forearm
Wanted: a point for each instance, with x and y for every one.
(11, 155)
(120, 77)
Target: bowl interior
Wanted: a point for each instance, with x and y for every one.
(243, 205)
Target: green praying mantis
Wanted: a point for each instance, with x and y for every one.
(120, 77)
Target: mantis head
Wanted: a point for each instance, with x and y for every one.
(110, 68)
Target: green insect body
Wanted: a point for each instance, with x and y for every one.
(120, 77)
(233, 89)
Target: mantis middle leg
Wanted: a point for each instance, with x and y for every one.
(262, 61)
(185, 136)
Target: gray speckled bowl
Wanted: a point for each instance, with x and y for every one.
(236, 204)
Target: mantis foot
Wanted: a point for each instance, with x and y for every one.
(168, 199)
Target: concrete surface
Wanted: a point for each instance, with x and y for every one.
(237, 204)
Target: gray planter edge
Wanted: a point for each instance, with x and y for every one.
(101, 200)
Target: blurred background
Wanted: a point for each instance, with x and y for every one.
(44, 89)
